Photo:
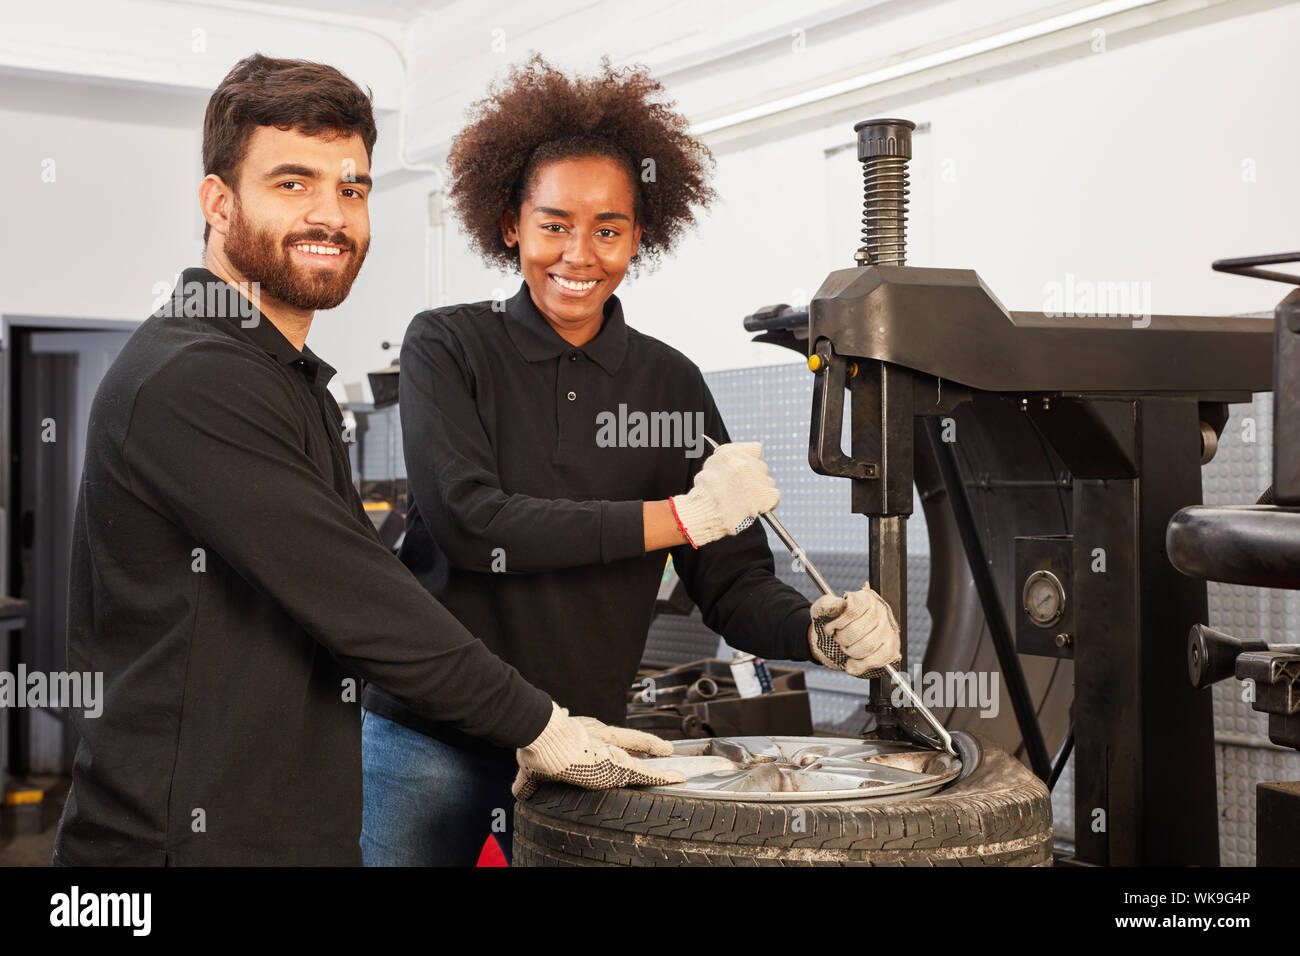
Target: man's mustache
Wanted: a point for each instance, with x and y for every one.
(336, 240)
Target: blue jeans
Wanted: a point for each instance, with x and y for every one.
(428, 803)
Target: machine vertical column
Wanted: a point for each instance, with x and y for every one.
(884, 148)
(889, 578)
(1181, 820)
(1144, 755)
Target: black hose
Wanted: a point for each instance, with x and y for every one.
(1061, 758)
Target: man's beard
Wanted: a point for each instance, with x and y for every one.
(263, 259)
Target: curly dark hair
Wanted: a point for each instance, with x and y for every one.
(537, 115)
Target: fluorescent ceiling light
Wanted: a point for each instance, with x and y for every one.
(930, 60)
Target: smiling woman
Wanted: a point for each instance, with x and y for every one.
(575, 233)
(539, 115)
(540, 530)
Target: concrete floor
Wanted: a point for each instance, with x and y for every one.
(37, 849)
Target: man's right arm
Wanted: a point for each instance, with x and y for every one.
(213, 445)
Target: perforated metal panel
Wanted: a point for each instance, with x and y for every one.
(1240, 471)
(1063, 805)
(678, 639)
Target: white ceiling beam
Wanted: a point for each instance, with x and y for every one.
(191, 46)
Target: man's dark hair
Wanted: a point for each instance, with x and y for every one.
(312, 98)
(538, 115)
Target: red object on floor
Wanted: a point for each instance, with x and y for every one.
(491, 854)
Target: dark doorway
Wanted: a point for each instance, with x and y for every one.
(52, 374)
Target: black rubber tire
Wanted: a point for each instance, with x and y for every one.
(1000, 815)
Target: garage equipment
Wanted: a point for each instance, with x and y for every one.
(1258, 545)
(700, 699)
(1077, 438)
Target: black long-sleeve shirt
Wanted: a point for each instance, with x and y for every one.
(524, 516)
(227, 582)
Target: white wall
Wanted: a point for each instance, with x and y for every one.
(1127, 165)
(120, 215)
(1124, 165)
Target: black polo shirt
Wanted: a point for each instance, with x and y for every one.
(525, 513)
(227, 582)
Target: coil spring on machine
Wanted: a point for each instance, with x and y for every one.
(884, 210)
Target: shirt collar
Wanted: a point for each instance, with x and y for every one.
(217, 299)
(537, 341)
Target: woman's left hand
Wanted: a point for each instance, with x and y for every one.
(856, 633)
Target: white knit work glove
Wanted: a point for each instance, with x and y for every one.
(856, 633)
(588, 754)
(633, 741)
(730, 490)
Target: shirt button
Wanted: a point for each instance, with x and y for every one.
(573, 396)
(573, 356)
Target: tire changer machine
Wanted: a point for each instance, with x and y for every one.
(1063, 448)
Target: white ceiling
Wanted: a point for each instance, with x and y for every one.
(398, 11)
(721, 60)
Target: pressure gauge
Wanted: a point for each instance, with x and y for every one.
(1044, 598)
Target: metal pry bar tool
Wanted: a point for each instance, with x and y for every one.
(774, 523)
